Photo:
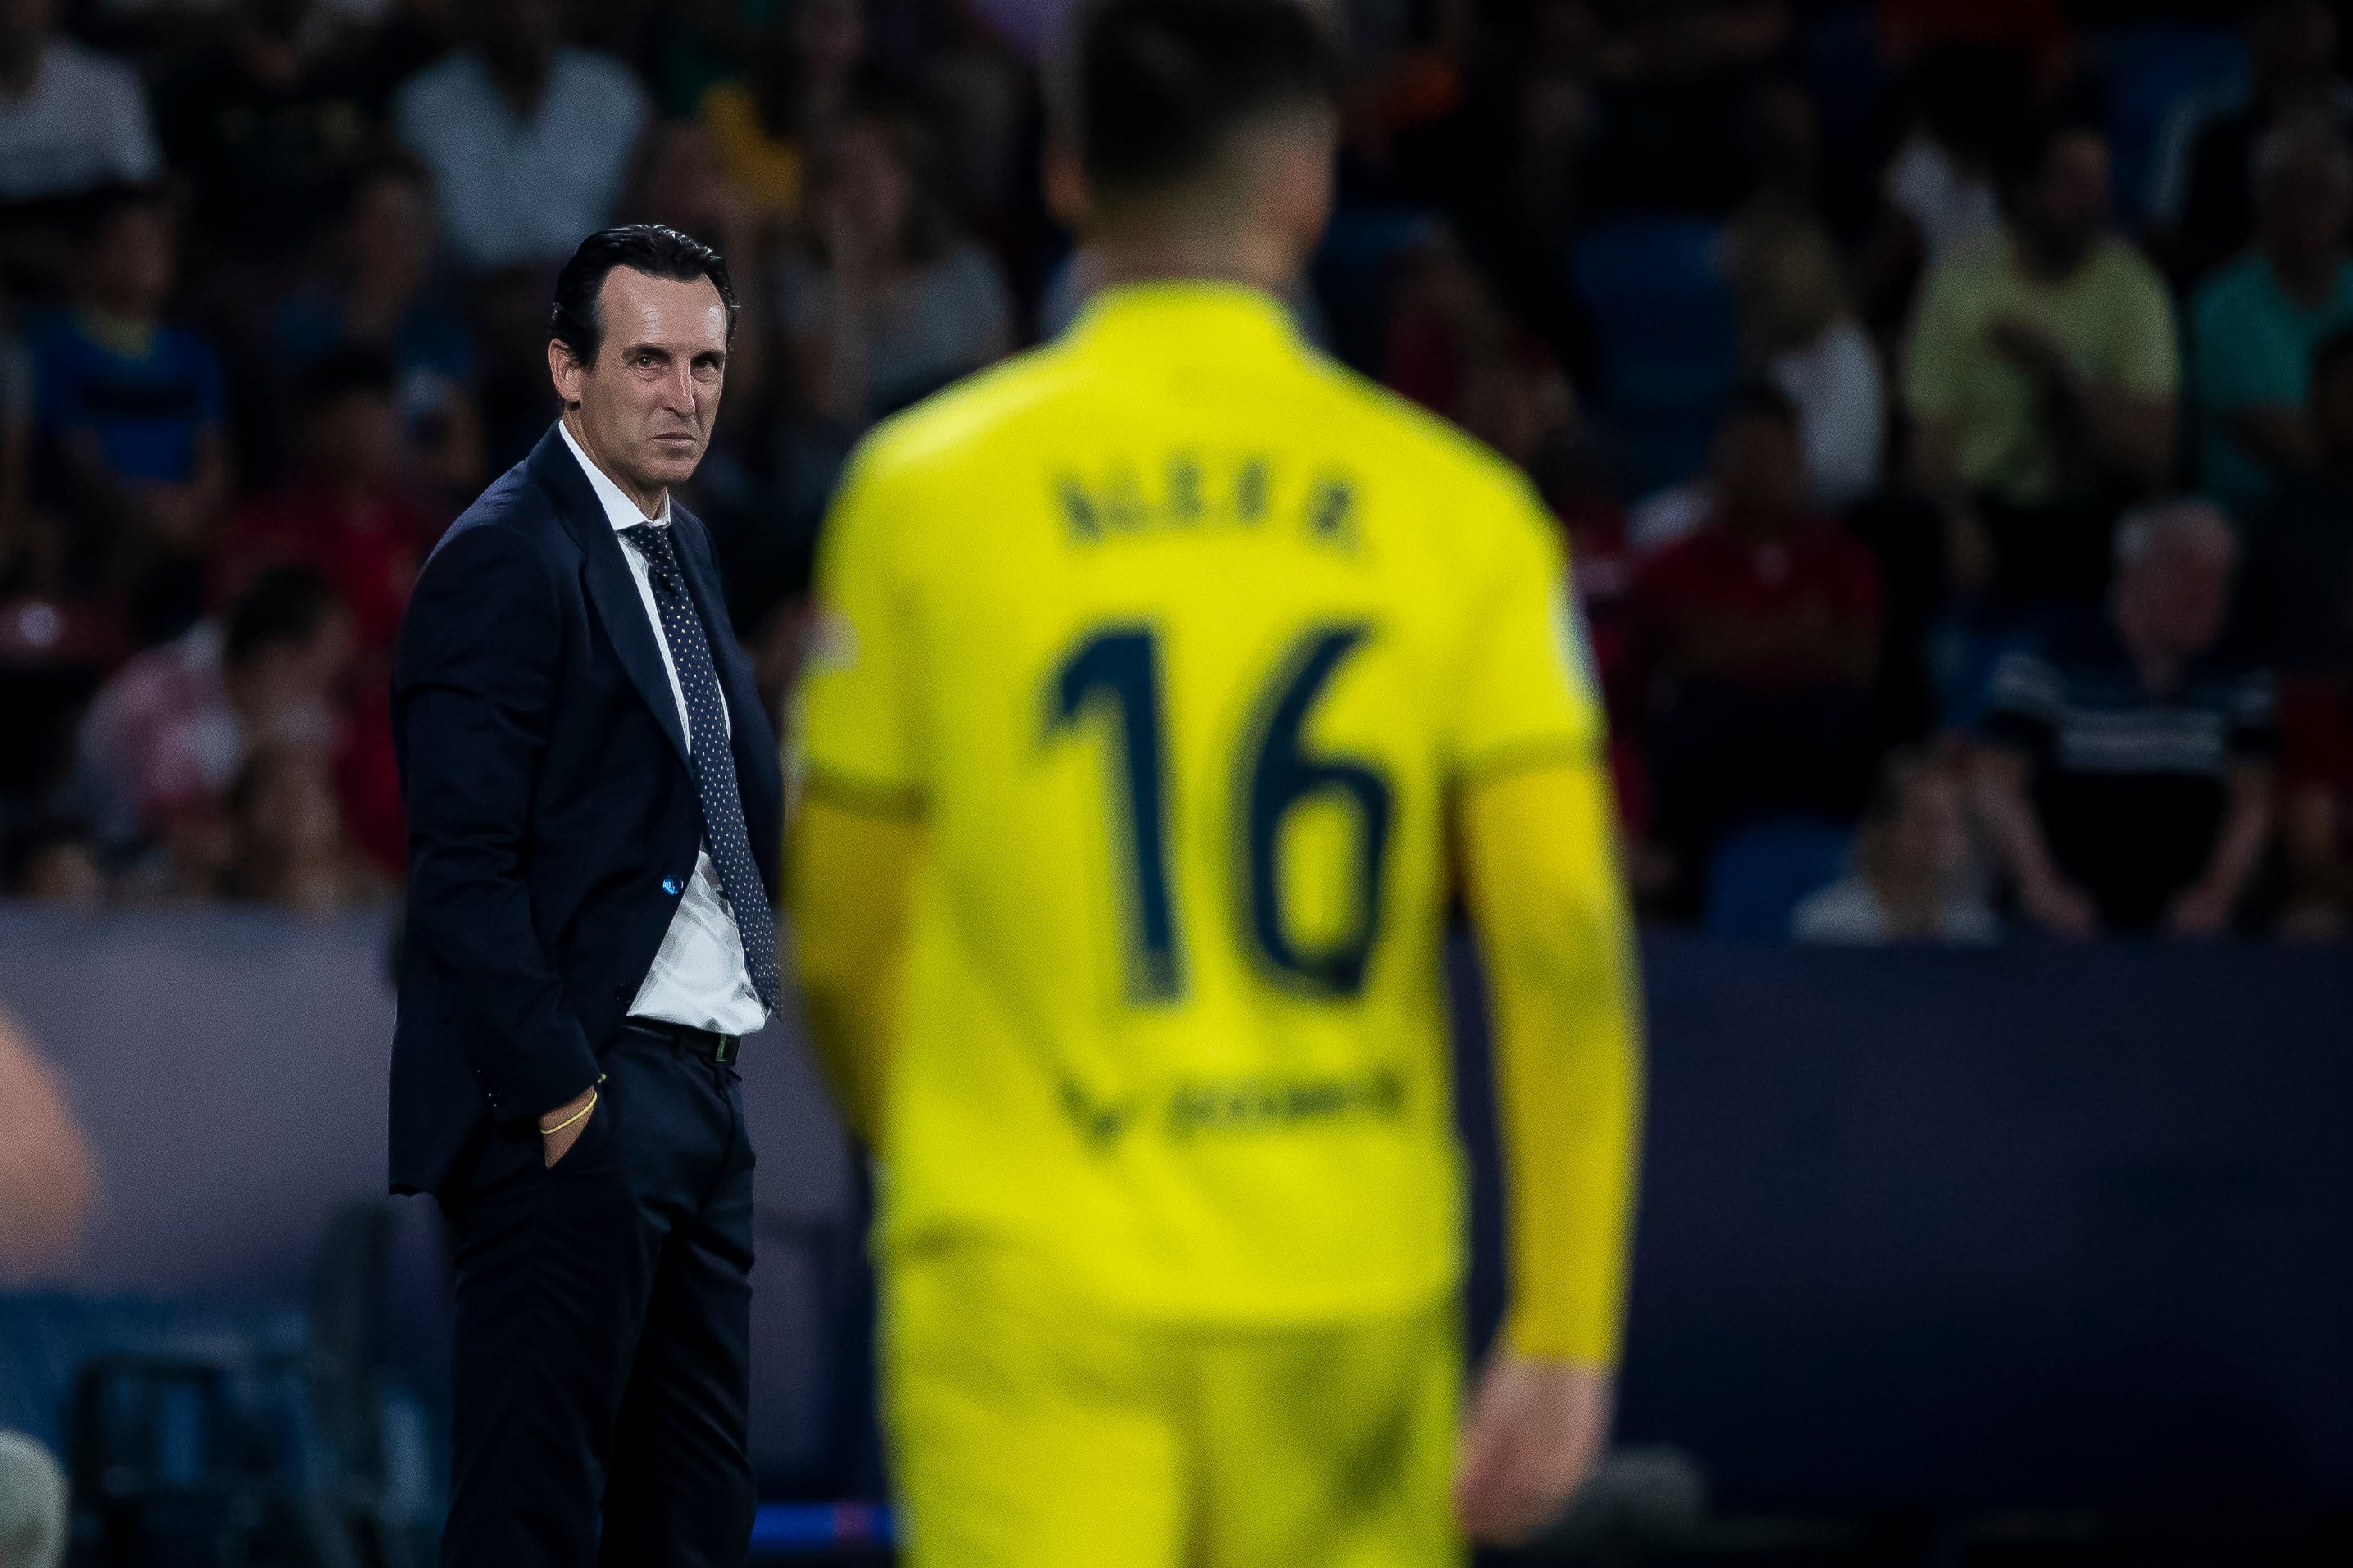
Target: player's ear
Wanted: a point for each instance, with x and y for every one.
(1292, 175)
(1067, 196)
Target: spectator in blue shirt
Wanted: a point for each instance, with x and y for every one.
(2126, 776)
(130, 412)
(529, 141)
(2256, 323)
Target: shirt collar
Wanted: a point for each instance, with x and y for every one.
(1189, 319)
(619, 510)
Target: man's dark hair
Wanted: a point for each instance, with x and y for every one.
(647, 247)
(1758, 399)
(1162, 86)
(283, 606)
(347, 371)
(2332, 356)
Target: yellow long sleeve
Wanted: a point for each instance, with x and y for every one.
(1554, 931)
(849, 878)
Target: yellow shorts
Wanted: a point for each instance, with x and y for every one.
(1029, 1431)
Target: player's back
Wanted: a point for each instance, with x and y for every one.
(1179, 634)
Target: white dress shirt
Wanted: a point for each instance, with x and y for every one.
(699, 977)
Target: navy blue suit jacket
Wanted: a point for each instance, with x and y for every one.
(551, 820)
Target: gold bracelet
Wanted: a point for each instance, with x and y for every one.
(551, 1132)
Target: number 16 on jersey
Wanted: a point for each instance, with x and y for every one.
(1113, 675)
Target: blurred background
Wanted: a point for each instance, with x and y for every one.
(1948, 406)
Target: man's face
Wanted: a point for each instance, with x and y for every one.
(355, 441)
(868, 186)
(646, 406)
(130, 266)
(831, 35)
(2305, 202)
(2177, 596)
(2069, 198)
(1758, 469)
(2292, 49)
(391, 229)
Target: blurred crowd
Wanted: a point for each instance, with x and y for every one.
(1948, 403)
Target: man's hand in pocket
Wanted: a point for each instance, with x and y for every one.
(560, 1127)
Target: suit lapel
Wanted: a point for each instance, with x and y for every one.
(612, 588)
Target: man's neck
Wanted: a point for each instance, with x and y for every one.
(519, 81)
(20, 65)
(2160, 672)
(2043, 262)
(1158, 256)
(649, 502)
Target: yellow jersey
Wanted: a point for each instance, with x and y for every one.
(1177, 635)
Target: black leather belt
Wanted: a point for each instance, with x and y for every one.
(703, 1044)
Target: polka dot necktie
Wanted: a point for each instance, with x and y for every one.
(712, 765)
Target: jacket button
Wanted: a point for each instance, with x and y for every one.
(673, 886)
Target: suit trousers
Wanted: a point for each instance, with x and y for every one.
(602, 1346)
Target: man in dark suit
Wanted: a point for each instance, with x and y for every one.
(594, 805)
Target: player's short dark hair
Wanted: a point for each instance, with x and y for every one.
(652, 248)
(349, 369)
(1758, 399)
(2332, 356)
(283, 606)
(1161, 87)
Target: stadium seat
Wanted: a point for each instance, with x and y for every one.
(1353, 270)
(185, 1422)
(1763, 871)
(46, 1336)
(2150, 68)
(1662, 318)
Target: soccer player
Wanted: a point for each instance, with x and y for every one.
(1157, 669)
